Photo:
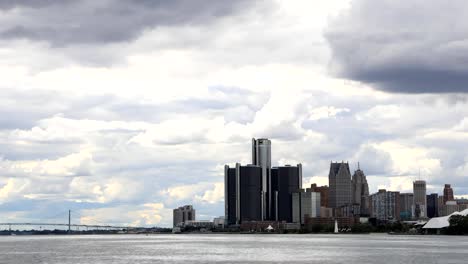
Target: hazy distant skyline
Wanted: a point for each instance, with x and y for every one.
(124, 110)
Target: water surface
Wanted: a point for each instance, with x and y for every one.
(234, 248)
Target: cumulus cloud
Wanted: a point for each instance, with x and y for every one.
(128, 142)
(149, 214)
(402, 46)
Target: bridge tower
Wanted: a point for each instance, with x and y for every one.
(69, 221)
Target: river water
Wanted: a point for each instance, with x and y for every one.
(234, 248)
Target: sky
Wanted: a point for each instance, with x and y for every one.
(123, 110)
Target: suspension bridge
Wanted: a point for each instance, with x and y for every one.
(70, 226)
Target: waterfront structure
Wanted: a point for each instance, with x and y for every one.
(261, 156)
(207, 224)
(406, 206)
(443, 221)
(448, 193)
(285, 180)
(219, 222)
(243, 193)
(339, 180)
(385, 206)
(183, 214)
(432, 205)
(420, 202)
(360, 191)
(259, 192)
(305, 204)
(323, 190)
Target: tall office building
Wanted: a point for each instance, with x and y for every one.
(440, 205)
(448, 193)
(385, 206)
(432, 205)
(305, 204)
(420, 200)
(261, 156)
(285, 180)
(183, 214)
(360, 191)
(243, 193)
(323, 190)
(406, 206)
(258, 192)
(339, 180)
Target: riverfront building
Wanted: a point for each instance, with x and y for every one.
(243, 189)
(258, 192)
(284, 181)
(183, 214)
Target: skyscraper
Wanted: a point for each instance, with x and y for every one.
(261, 156)
(406, 206)
(360, 191)
(258, 192)
(448, 193)
(339, 180)
(432, 205)
(243, 193)
(285, 180)
(385, 205)
(420, 202)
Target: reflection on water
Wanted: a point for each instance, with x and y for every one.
(234, 248)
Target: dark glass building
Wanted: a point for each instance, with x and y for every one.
(243, 189)
(230, 195)
(432, 205)
(285, 180)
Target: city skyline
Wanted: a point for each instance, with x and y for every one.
(126, 115)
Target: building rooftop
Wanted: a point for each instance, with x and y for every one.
(441, 222)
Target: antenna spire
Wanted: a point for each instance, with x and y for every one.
(358, 166)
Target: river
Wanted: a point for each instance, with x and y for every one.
(233, 248)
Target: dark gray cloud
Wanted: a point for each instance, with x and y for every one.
(64, 23)
(402, 46)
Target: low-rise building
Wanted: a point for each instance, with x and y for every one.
(199, 224)
(219, 222)
(183, 214)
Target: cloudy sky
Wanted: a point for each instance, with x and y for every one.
(123, 110)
